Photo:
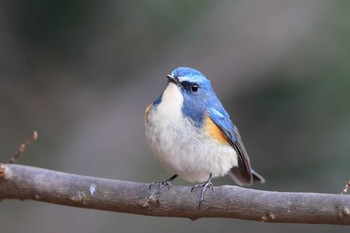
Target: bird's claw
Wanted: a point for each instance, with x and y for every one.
(204, 187)
(160, 185)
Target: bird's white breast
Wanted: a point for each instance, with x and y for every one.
(181, 147)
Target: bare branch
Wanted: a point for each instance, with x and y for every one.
(24, 182)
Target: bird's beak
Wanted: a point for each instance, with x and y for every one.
(174, 80)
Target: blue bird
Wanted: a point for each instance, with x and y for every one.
(192, 135)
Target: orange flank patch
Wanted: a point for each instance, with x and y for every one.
(147, 109)
(214, 130)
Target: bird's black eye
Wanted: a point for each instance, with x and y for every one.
(194, 87)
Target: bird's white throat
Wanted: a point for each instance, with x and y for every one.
(172, 100)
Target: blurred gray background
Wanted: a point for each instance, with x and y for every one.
(82, 72)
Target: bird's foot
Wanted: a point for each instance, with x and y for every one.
(203, 186)
(160, 185)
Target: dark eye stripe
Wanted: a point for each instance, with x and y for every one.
(186, 84)
(193, 87)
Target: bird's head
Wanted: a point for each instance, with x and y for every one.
(190, 82)
(195, 90)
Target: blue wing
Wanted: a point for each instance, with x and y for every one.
(243, 173)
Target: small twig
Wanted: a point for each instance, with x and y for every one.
(346, 187)
(23, 146)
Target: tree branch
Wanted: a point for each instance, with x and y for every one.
(25, 182)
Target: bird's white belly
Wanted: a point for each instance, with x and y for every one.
(184, 149)
(192, 157)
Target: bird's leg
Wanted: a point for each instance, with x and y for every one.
(161, 184)
(204, 187)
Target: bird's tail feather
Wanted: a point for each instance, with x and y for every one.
(256, 178)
